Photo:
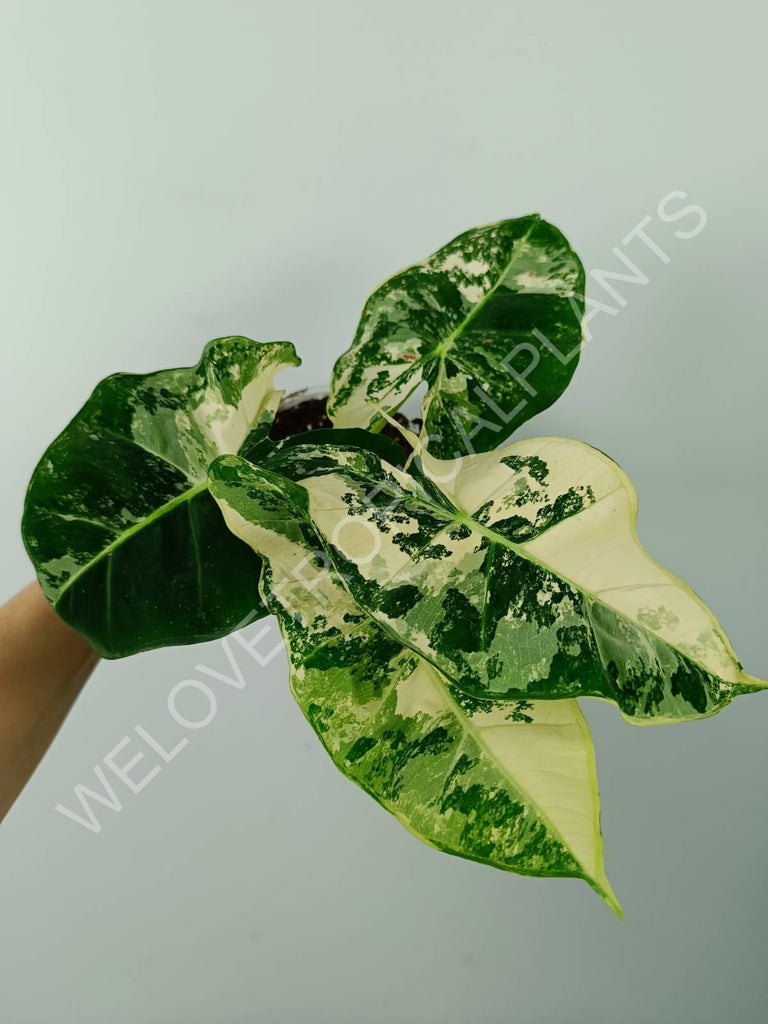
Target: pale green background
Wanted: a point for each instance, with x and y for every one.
(177, 171)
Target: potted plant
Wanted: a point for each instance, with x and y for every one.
(445, 595)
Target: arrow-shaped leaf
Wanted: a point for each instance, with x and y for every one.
(519, 574)
(511, 785)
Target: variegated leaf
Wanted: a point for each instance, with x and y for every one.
(519, 574)
(510, 785)
(127, 542)
(491, 322)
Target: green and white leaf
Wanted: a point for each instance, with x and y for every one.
(492, 322)
(519, 575)
(510, 785)
(128, 544)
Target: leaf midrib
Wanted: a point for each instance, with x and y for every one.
(520, 550)
(441, 350)
(132, 531)
(461, 518)
(472, 731)
(447, 344)
(476, 733)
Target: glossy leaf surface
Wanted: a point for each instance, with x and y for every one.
(510, 785)
(491, 322)
(128, 544)
(519, 574)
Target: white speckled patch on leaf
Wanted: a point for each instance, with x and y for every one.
(510, 785)
(128, 545)
(519, 574)
(492, 323)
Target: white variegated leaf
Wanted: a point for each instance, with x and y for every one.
(510, 785)
(491, 322)
(519, 574)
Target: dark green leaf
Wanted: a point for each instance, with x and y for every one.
(128, 544)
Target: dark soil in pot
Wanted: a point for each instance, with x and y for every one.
(305, 410)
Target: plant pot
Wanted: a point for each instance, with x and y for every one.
(305, 410)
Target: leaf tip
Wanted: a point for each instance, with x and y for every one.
(751, 684)
(605, 891)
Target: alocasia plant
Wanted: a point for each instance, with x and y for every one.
(443, 601)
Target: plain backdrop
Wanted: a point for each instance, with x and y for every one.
(172, 172)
